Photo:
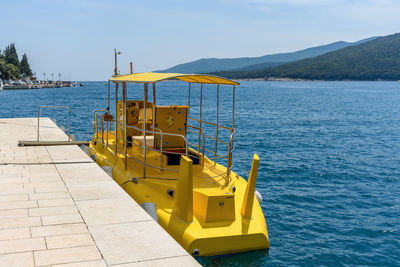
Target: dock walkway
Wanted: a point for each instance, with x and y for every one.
(59, 208)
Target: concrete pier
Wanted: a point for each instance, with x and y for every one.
(58, 208)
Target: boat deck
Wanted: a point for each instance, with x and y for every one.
(59, 208)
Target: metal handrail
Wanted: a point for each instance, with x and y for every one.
(161, 144)
(230, 150)
(95, 121)
(146, 164)
(218, 140)
(59, 107)
(216, 155)
(153, 132)
(202, 133)
(95, 126)
(157, 131)
(210, 123)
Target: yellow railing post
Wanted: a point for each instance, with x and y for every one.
(183, 205)
(247, 206)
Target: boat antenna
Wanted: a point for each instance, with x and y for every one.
(131, 68)
(115, 57)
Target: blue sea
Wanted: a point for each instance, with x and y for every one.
(330, 161)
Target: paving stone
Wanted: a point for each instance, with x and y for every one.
(17, 260)
(13, 180)
(39, 170)
(67, 154)
(82, 172)
(14, 233)
(64, 229)
(8, 186)
(43, 179)
(149, 240)
(95, 190)
(50, 188)
(22, 245)
(66, 255)
(107, 211)
(13, 191)
(57, 195)
(45, 174)
(99, 263)
(45, 184)
(182, 261)
(61, 219)
(66, 241)
(14, 213)
(7, 205)
(15, 197)
(19, 222)
(55, 202)
(53, 211)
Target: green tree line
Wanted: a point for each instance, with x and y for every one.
(10, 66)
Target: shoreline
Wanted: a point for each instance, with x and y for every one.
(28, 85)
(272, 79)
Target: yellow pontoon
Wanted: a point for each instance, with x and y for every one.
(206, 207)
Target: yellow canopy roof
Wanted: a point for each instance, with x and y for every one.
(152, 77)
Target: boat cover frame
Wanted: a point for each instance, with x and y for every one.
(153, 77)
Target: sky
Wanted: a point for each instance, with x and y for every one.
(76, 38)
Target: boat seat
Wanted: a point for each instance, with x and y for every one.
(140, 139)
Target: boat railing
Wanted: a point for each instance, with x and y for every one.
(199, 152)
(230, 151)
(161, 144)
(54, 107)
(215, 139)
(227, 157)
(99, 127)
(126, 156)
(96, 124)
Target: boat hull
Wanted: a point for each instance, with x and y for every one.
(213, 230)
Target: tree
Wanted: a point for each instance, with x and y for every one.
(10, 53)
(2, 66)
(12, 72)
(24, 66)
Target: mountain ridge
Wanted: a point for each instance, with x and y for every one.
(206, 65)
(377, 59)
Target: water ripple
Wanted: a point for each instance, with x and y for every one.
(329, 170)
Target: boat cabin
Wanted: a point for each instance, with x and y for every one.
(165, 128)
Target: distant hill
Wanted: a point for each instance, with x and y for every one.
(378, 59)
(252, 63)
(260, 66)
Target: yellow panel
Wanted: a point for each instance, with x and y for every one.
(183, 203)
(212, 206)
(149, 115)
(152, 77)
(134, 116)
(171, 119)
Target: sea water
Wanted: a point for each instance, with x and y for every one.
(329, 153)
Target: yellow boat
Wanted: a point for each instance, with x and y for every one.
(149, 150)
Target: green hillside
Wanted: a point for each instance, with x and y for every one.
(205, 65)
(260, 66)
(378, 59)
